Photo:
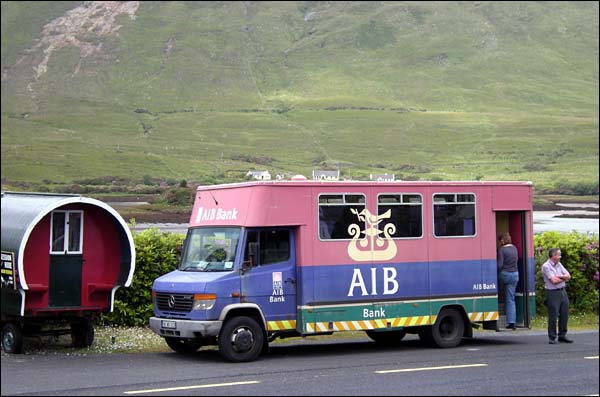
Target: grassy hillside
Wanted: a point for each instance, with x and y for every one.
(205, 91)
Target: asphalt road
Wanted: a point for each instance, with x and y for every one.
(505, 363)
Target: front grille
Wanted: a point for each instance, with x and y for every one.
(174, 302)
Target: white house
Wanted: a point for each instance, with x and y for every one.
(383, 177)
(259, 175)
(326, 175)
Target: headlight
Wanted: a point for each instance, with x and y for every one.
(204, 301)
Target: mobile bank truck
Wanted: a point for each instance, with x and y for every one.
(63, 258)
(272, 259)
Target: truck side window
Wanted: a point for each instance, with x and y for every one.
(336, 214)
(274, 246)
(406, 213)
(454, 215)
(252, 249)
(271, 246)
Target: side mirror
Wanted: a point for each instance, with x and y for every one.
(247, 265)
(252, 252)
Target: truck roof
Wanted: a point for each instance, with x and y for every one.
(314, 183)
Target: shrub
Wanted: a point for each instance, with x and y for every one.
(580, 258)
(177, 196)
(157, 253)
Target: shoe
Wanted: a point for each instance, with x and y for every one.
(511, 326)
(565, 340)
(552, 341)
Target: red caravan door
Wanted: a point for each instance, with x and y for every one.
(66, 259)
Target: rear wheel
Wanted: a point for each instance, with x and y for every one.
(82, 332)
(386, 337)
(448, 329)
(12, 338)
(241, 339)
(182, 345)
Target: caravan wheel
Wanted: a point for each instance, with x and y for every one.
(12, 338)
(82, 332)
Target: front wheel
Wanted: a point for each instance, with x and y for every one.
(182, 345)
(448, 329)
(241, 340)
(12, 338)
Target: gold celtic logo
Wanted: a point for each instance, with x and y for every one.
(372, 246)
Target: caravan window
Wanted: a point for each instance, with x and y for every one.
(66, 235)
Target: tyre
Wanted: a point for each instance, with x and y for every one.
(182, 345)
(241, 340)
(386, 337)
(82, 332)
(448, 329)
(12, 338)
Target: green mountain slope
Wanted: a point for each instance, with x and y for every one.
(205, 91)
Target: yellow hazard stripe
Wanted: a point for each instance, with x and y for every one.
(360, 325)
(281, 325)
(483, 316)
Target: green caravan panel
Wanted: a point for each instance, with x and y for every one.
(11, 302)
(65, 280)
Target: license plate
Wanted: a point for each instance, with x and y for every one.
(168, 324)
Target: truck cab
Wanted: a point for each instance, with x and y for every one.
(235, 287)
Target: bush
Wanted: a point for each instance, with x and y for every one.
(177, 196)
(580, 258)
(157, 253)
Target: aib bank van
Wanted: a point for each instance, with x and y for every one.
(264, 260)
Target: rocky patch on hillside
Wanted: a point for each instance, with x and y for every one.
(81, 27)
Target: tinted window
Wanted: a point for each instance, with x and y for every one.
(337, 212)
(405, 213)
(454, 215)
(271, 246)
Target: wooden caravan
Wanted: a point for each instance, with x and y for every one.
(63, 258)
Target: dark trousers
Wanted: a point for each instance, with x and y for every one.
(558, 308)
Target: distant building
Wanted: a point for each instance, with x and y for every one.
(259, 175)
(326, 175)
(383, 177)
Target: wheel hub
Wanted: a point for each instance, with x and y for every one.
(8, 340)
(243, 340)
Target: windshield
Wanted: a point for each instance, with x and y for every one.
(210, 249)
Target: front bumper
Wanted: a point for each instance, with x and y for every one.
(186, 328)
